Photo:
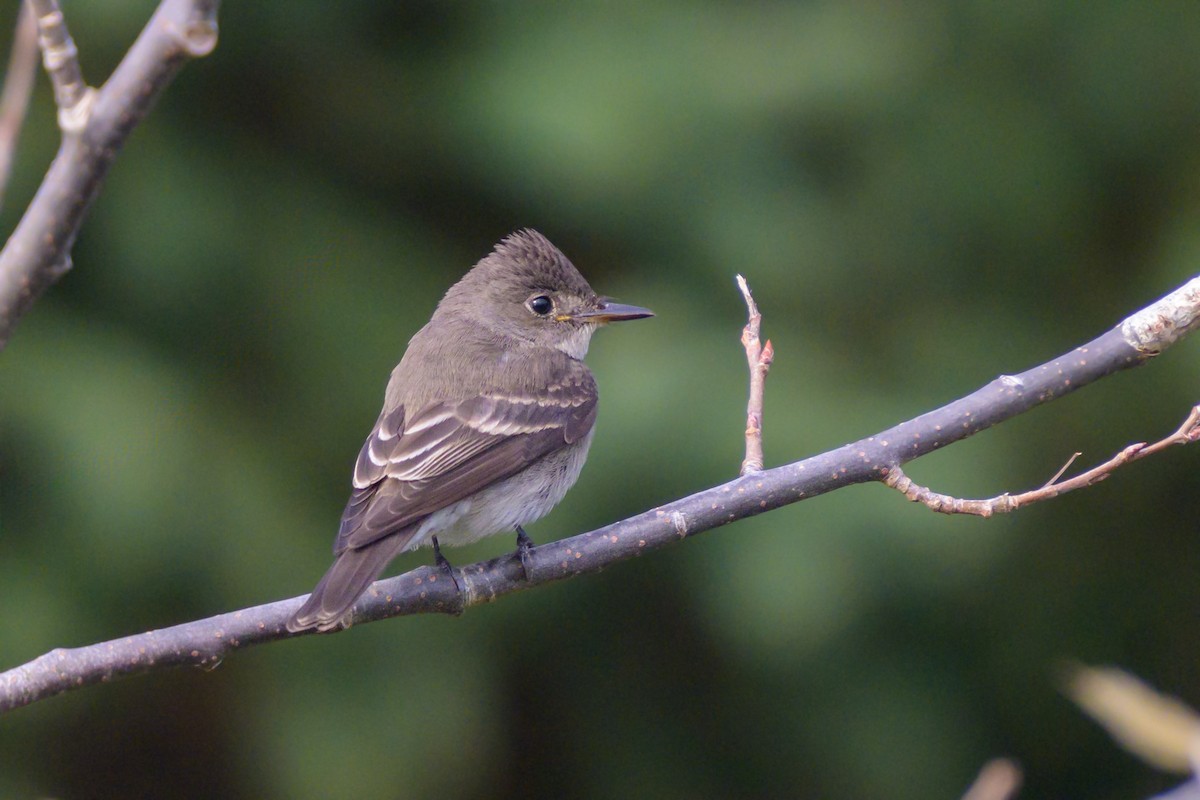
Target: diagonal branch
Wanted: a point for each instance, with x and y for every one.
(18, 87)
(95, 124)
(206, 642)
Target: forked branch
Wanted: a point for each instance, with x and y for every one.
(95, 124)
(1187, 433)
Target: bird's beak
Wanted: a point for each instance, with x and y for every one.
(610, 312)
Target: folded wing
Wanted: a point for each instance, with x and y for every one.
(415, 464)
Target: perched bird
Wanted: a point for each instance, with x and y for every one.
(485, 425)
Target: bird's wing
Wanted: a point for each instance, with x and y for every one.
(413, 465)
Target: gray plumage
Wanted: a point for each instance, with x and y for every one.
(486, 420)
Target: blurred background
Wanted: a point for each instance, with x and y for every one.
(922, 195)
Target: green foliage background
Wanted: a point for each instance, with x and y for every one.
(923, 195)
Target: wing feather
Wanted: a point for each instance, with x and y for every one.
(413, 465)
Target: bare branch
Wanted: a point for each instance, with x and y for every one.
(205, 642)
(759, 359)
(1187, 433)
(18, 88)
(95, 126)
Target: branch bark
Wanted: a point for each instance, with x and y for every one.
(206, 642)
(95, 124)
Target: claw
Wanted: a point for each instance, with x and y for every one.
(525, 552)
(445, 565)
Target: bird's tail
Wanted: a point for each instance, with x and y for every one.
(329, 605)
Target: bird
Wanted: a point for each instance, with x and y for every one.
(486, 421)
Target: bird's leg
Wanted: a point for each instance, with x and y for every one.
(444, 565)
(524, 551)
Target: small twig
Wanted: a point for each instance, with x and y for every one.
(1062, 469)
(999, 779)
(759, 358)
(1188, 432)
(61, 59)
(18, 87)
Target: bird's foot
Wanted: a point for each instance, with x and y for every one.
(445, 566)
(525, 552)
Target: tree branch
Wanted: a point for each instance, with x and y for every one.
(1187, 433)
(95, 124)
(206, 642)
(18, 87)
(759, 359)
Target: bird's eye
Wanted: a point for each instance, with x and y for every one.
(540, 305)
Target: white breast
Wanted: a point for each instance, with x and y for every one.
(524, 498)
